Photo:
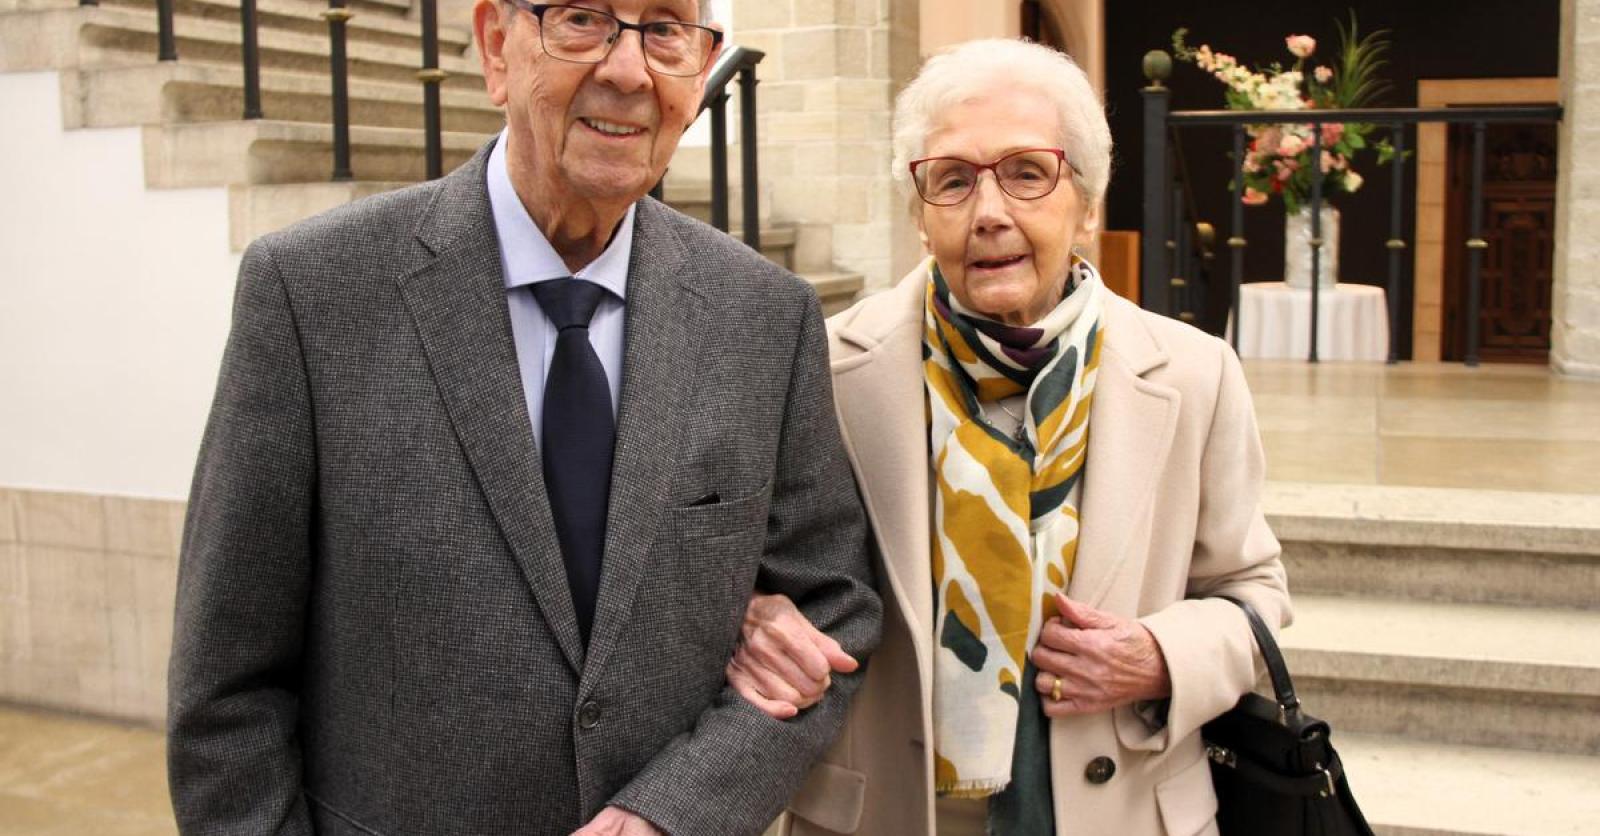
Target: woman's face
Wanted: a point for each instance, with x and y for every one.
(1004, 258)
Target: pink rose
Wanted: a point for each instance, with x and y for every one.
(1301, 46)
(1291, 145)
(1252, 197)
(1331, 133)
(1323, 74)
(1285, 168)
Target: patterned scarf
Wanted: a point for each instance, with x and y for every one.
(1005, 518)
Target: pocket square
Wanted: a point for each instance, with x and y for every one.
(709, 499)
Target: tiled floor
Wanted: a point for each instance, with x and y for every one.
(68, 776)
(1517, 428)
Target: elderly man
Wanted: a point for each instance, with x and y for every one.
(494, 465)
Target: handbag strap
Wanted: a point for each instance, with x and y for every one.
(1282, 685)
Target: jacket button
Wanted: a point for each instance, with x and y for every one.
(1100, 770)
(589, 715)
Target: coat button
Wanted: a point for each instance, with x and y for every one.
(589, 715)
(1100, 770)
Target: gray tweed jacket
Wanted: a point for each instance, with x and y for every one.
(374, 632)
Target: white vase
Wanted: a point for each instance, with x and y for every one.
(1297, 248)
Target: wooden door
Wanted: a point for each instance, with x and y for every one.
(1519, 198)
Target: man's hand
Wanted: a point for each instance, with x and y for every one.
(784, 664)
(614, 821)
(1101, 661)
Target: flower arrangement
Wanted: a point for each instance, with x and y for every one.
(1278, 158)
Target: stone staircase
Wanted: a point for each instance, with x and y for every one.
(1452, 638)
(276, 170)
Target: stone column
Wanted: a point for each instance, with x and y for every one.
(824, 101)
(1575, 326)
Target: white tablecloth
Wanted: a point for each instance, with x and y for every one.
(1352, 322)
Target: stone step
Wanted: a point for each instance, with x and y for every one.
(270, 151)
(1473, 674)
(177, 92)
(105, 37)
(373, 20)
(836, 290)
(1439, 544)
(1414, 788)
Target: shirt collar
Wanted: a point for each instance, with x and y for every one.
(526, 253)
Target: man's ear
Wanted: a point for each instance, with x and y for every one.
(489, 22)
(705, 74)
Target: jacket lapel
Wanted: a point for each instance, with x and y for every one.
(458, 302)
(880, 401)
(1131, 423)
(659, 362)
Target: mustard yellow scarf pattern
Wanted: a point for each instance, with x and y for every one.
(1005, 518)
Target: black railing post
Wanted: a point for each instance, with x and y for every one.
(747, 153)
(252, 59)
(719, 163)
(431, 77)
(1236, 241)
(1475, 247)
(1395, 243)
(1176, 249)
(166, 38)
(1316, 231)
(339, 70)
(1153, 267)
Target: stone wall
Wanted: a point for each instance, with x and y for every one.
(1575, 329)
(825, 98)
(86, 601)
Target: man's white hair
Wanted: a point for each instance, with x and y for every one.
(976, 69)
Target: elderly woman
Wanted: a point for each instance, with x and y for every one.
(1061, 486)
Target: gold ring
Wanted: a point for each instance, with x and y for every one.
(1055, 690)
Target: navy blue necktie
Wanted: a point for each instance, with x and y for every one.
(578, 439)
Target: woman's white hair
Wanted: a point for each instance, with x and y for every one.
(975, 69)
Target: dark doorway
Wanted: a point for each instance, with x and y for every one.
(1039, 25)
(1519, 218)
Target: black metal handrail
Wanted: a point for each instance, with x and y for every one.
(1157, 212)
(734, 62)
(339, 75)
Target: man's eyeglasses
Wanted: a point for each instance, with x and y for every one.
(1028, 174)
(586, 36)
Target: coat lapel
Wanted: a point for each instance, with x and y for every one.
(880, 401)
(1131, 423)
(458, 302)
(659, 362)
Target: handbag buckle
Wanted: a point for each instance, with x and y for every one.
(1327, 777)
(1222, 756)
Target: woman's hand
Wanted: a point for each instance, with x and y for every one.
(1101, 661)
(783, 664)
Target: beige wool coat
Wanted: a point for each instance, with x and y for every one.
(1171, 515)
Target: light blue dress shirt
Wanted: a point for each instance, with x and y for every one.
(528, 258)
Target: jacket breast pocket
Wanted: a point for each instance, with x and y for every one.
(734, 516)
(710, 564)
(1188, 802)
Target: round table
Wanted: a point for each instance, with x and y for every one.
(1352, 322)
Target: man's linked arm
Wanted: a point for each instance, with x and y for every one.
(735, 770)
(233, 705)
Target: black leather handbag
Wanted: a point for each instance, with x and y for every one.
(1274, 769)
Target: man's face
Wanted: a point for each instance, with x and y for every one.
(598, 132)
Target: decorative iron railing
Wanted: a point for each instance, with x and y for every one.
(1163, 231)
